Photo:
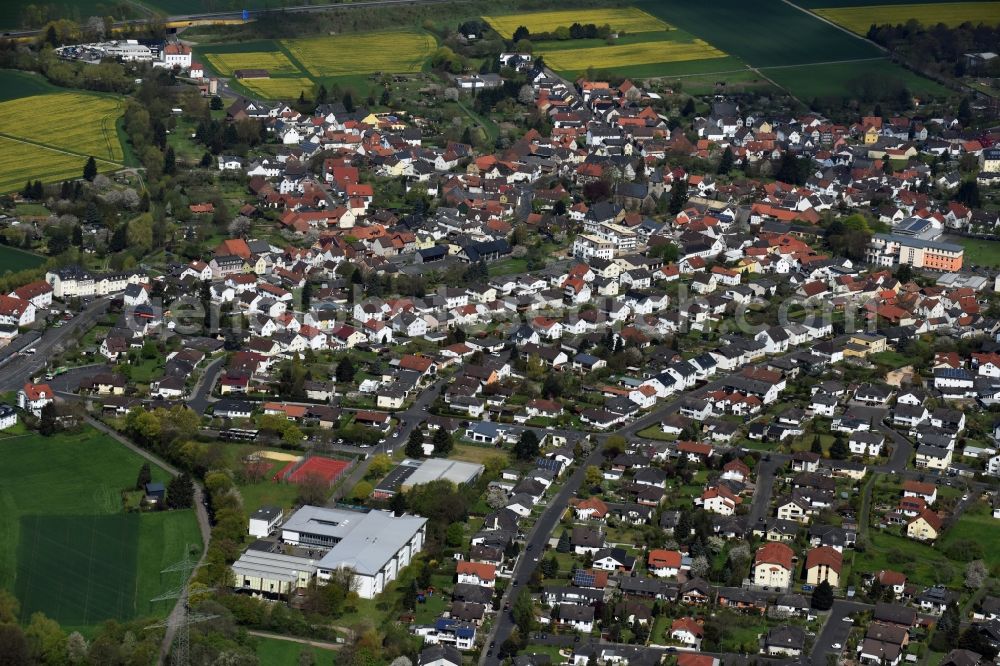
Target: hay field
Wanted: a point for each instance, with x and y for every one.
(274, 62)
(344, 55)
(624, 55)
(626, 19)
(859, 19)
(279, 88)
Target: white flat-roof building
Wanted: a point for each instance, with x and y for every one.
(263, 521)
(375, 545)
(432, 469)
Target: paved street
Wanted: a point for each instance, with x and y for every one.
(17, 370)
(835, 630)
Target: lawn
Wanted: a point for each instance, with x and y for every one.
(476, 454)
(13, 259)
(977, 524)
(13, 12)
(978, 252)
(762, 33)
(921, 563)
(64, 528)
(277, 652)
(625, 19)
(363, 53)
(859, 19)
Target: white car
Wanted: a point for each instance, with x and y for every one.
(965, 498)
(836, 646)
(848, 618)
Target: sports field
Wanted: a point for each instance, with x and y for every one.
(274, 62)
(625, 19)
(624, 55)
(396, 52)
(280, 88)
(12, 259)
(66, 546)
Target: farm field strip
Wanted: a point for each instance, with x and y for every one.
(274, 62)
(279, 88)
(24, 161)
(365, 53)
(859, 19)
(75, 122)
(627, 19)
(631, 54)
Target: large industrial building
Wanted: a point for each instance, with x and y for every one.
(375, 545)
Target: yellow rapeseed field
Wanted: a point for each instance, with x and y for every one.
(364, 53)
(76, 122)
(272, 61)
(622, 55)
(626, 19)
(24, 161)
(859, 19)
(283, 88)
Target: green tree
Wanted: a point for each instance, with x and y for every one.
(443, 442)
(817, 445)
(523, 612)
(345, 370)
(48, 424)
(361, 491)
(726, 161)
(379, 466)
(564, 545)
(307, 290)
(527, 446)
(455, 536)
(180, 492)
(46, 640)
(678, 197)
(839, 450)
(169, 161)
(415, 444)
(822, 596)
(90, 168)
(145, 476)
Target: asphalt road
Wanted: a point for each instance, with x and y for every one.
(201, 396)
(20, 369)
(835, 630)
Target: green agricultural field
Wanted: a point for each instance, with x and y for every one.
(32, 151)
(66, 547)
(625, 19)
(275, 62)
(14, 84)
(763, 34)
(625, 55)
(13, 259)
(28, 161)
(859, 19)
(363, 53)
(86, 123)
(845, 79)
(288, 88)
(13, 13)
